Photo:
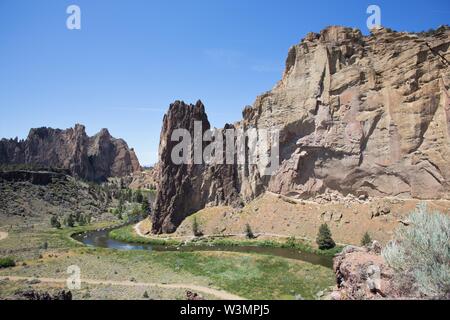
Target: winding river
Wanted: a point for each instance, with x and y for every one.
(101, 239)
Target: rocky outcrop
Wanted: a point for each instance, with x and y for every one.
(42, 193)
(367, 116)
(91, 158)
(362, 115)
(362, 274)
(145, 179)
(43, 296)
(34, 177)
(186, 188)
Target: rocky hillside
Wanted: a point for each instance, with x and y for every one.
(367, 116)
(40, 194)
(91, 158)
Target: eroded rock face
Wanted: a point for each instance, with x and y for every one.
(362, 274)
(366, 116)
(362, 115)
(92, 158)
(186, 188)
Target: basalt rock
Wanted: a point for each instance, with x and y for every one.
(43, 296)
(186, 188)
(362, 274)
(91, 158)
(361, 116)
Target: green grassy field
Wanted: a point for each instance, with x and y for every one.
(251, 276)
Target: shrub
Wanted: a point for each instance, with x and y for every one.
(7, 262)
(366, 240)
(420, 255)
(145, 207)
(324, 239)
(248, 232)
(196, 228)
(138, 196)
(55, 223)
(82, 221)
(70, 222)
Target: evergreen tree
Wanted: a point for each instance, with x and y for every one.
(82, 220)
(138, 196)
(146, 208)
(366, 240)
(196, 228)
(120, 207)
(70, 222)
(54, 222)
(248, 232)
(324, 239)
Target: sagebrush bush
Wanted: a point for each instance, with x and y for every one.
(420, 255)
(7, 262)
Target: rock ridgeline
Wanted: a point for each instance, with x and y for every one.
(358, 115)
(91, 158)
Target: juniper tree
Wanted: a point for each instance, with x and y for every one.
(248, 232)
(324, 238)
(366, 240)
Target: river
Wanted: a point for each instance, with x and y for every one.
(101, 239)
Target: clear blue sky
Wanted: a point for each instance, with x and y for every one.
(132, 58)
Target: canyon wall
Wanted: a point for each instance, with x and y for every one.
(91, 158)
(361, 115)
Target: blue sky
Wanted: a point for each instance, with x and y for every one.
(132, 58)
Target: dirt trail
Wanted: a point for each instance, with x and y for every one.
(3, 235)
(137, 229)
(196, 288)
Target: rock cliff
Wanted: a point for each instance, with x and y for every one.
(91, 158)
(186, 188)
(358, 115)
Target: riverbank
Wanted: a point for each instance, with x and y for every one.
(130, 234)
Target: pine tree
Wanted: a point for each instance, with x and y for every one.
(324, 239)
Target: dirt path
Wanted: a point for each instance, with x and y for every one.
(3, 235)
(196, 288)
